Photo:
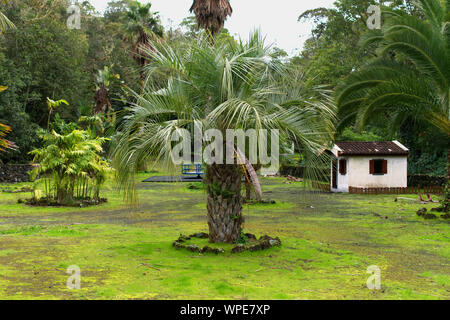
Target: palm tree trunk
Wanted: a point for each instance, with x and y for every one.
(224, 203)
(248, 190)
(252, 181)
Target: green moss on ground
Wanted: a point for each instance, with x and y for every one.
(329, 240)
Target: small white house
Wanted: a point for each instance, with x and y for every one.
(369, 165)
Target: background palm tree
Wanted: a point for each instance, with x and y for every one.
(228, 85)
(5, 23)
(103, 80)
(142, 26)
(211, 14)
(410, 81)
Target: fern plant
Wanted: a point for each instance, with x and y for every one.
(4, 130)
(70, 165)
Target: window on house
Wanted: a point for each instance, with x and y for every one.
(343, 167)
(378, 167)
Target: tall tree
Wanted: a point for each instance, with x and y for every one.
(142, 26)
(211, 14)
(223, 86)
(45, 64)
(54, 66)
(410, 80)
(332, 50)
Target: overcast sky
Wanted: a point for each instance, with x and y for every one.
(277, 19)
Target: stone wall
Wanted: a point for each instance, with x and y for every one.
(14, 173)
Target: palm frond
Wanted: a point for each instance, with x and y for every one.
(211, 14)
(221, 86)
(5, 23)
(414, 85)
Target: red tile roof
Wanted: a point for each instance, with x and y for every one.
(371, 148)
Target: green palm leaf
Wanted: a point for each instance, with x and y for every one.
(5, 23)
(223, 86)
(414, 85)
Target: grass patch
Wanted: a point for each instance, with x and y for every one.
(329, 240)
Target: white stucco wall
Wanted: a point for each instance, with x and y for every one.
(358, 173)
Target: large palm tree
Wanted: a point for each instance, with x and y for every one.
(142, 26)
(226, 85)
(411, 78)
(102, 100)
(211, 14)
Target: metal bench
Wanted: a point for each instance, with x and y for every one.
(192, 170)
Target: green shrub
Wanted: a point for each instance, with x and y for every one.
(70, 164)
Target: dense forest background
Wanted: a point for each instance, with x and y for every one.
(43, 58)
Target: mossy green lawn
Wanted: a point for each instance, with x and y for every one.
(329, 241)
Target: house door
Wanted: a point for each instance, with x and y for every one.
(334, 175)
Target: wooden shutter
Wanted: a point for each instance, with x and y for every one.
(372, 167)
(385, 167)
(343, 166)
(334, 174)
